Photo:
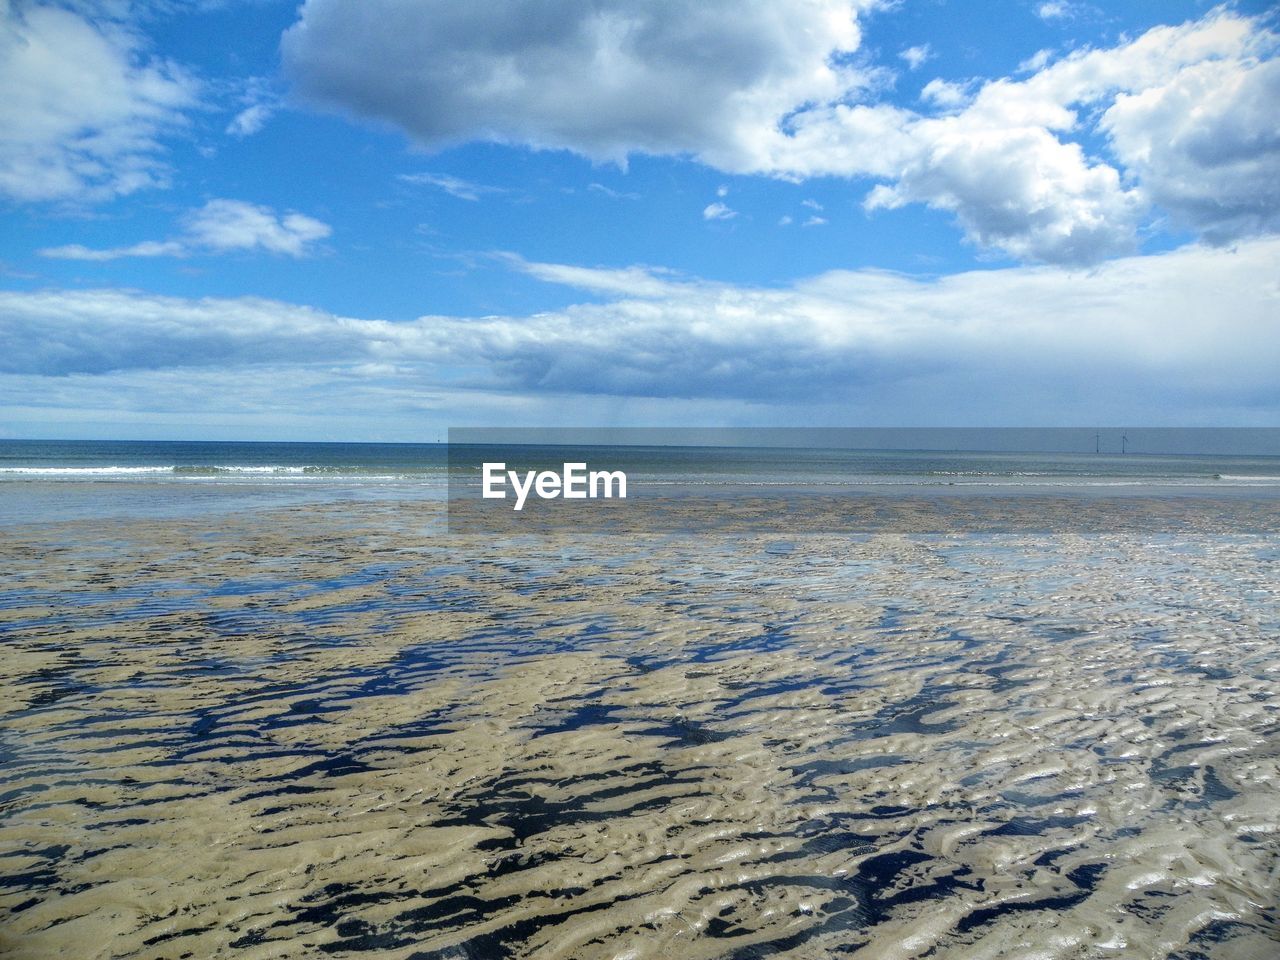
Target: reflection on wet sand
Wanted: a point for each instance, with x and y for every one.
(334, 730)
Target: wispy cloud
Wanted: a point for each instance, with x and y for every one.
(250, 120)
(147, 248)
(220, 226)
(612, 194)
(454, 186)
(633, 281)
(1058, 10)
(259, 104)
(718, 211)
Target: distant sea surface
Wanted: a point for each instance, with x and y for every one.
(47, 478)
(222, 462)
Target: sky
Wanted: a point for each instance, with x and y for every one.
(376, 219)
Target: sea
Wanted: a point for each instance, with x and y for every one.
(50, 479)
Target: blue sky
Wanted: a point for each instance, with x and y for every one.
(371, 219)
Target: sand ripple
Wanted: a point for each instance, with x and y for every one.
(336, 731)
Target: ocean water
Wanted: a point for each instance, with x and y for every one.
(428, 464)
(219, 462)
(48, 479)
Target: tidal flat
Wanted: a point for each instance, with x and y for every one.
(337, 730)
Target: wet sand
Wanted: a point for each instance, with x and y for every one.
(335, 730)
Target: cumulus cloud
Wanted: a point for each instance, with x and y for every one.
(1206, 146)
(223, 225)
(944, 93)
(1121, 340)
(718, 211)
(1004, 157)
(220, 226)
(83, 108)
(1018, 190)
(767, 88)
(602, 77)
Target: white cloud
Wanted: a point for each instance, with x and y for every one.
(1066, 11)
(1126, 340)
(219, 226)
(718, 211)
(944, 93)
(1054, 10)
(766, 88)
(1036, 62)
(235, 225)
(815, 221)
(611, 193)
(147, 248)
(83, 109)
(1206, 146)
(250, 120)
(604, 78)
(454, 186)
(1004, 161)
(259, 103)
(917, 56)
(642, 282)
(1019, 190)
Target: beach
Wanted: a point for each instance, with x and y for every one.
(335, 728)
(621, 480)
